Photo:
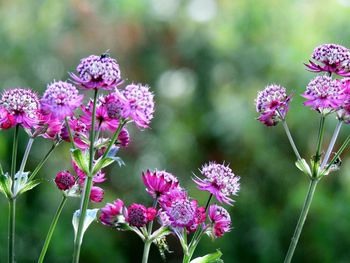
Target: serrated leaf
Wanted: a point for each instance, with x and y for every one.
(81, 160)
(90, 216)
(210, 258)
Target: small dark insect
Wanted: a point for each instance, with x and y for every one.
(105, 54)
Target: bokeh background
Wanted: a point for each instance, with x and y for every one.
(205, 61)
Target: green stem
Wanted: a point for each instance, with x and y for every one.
(87, 186)
(14, 155)
(148, 243)
(26, 154)
(114, 138)
(146, 251)
(290, 138)
(70, 134)
(331, 144)
(336, 156)
(320, 139)
(301, 221)
(52, 229)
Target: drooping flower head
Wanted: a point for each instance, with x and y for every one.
(60, 99)
(96, 194)
(111, 213)
(330, 58)
(48, 127)
(324, 94)
(138, 215)
(272, 104)
(23, 105)
(221, 220)
(159, 182)
(98, 72)
(135, 103)
(7, 121)
(64, 180)
(220, 181)
(343, 113)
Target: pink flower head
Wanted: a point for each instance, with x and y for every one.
(7, 121)
(199, 218)
(79, 130)
(220, 181)
(103, 121)
(96, 194)
(60, 99)
(98, 178)
(64, 180)
(272, 104)
(135, 102)
(344, 112)
(324, 94)
(98, 72)
(123, 138)
(159, 182)
(330, 58)
(23, 105)
(220, 219)
(138, 215)
(110, 213)
(48, 127)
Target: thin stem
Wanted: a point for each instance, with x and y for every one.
(26, 154)
(43, 160)
(114, 138)
(148, 243)
(87, 186)
(52, 229)
(208, 202)
(301, 221)
(14, 155)
(290, 138)
(70, 134)
(146, 251)
(331, 144)
(320, 139)
(341, 149)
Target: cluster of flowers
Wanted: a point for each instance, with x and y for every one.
(323, 94)
(174, 210)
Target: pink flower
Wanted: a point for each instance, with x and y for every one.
(60, 99)
(98, 178)
(23, 105)
(159, 182)
(98, 72)
(96, 194)
(64, 180)
(199, 218)
(79, 131)
(110, 213)
(7, 121)
(48, 127)
(220, 219)
(138, 215)
(135, 103)
(220, 181)
(344, 112)
(324, 94)
(272, 104)
(330, 58)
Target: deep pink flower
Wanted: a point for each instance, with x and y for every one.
(138, 215)
(220, 181)
(110, 213)
(220, 219)
(60, 99)
(159, 182)
(98, 178)
(64, 180)
(7, 121)
(344, 112)
(324, 94)
(330, 58)
(23, 105)
(272, 104)
(79, 131)
(98, 72)
(199, 218)
(151, 213)
(96, 194)
(48, 127)
(123, 138)
(135, 103)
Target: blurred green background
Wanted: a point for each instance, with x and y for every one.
(205, 61)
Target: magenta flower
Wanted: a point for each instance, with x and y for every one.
(220, 181)
(48, 127)
(138, 215)
(272, 104)
(23, 105)
(159, 182)
(123, 138)
(220, 219)
(96, 195)
(344, 112)
(64, 180)
(60, 99)
(324, 94)
(98, 72)
(99, 177)
(135, 103)
(103, 121)
(79, 131)
(7, 121)
(330, 58)
(199, 218)
(110, 213)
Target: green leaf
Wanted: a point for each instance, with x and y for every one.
(303, 166)
(28, 186)
(90, 216)
(81, 160)
(5, 185)
(210, 258)
(101, 163)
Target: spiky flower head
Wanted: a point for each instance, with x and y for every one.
(272, 104)
(64, 180)
(343, 113)
(330, 58)
(159, 182)
(220, 219)
(219, 180)
(60, 99)
(111, 213)
(23, 105)
(6, 119)
(138, 215)
(324, 94)
(98, 72)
